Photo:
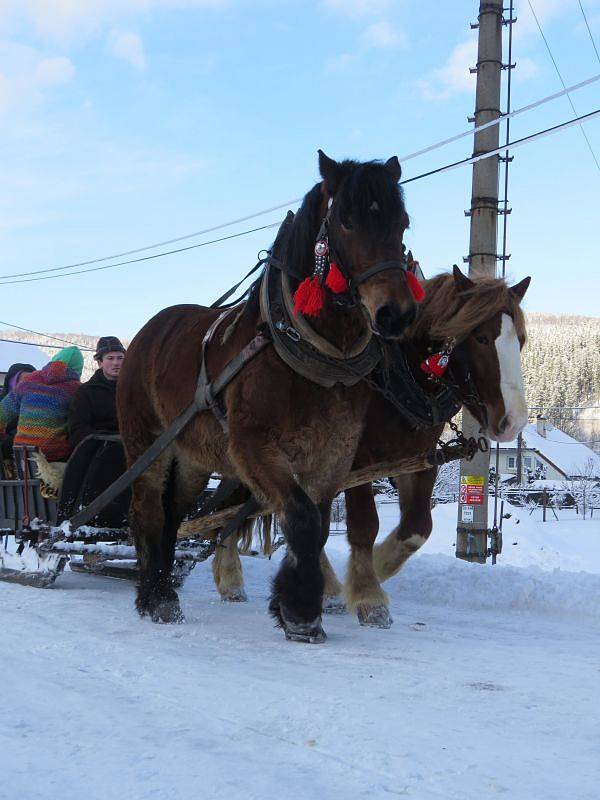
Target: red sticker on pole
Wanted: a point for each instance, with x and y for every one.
(471, 489)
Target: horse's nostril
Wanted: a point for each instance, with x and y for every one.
(504, 423)
(384, 318)
(391, 321)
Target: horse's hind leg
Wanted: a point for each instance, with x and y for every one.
(364, 595)
(161, 498)
(332, 592)
(227, 571)
(415, 524)
(155, 542)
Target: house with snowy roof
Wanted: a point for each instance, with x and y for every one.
(17, 353)
(548, 449)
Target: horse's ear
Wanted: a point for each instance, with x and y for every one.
(462, 282)
(393, 167)
(331, 172)
(520, 288)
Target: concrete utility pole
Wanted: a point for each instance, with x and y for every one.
(472, 528)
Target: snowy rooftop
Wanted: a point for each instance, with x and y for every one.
(569, 455)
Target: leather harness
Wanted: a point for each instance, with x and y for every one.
(302, 348)
(304, 351)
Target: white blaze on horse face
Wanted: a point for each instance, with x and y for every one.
(511, 380)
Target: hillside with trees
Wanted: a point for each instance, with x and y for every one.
(561, 363)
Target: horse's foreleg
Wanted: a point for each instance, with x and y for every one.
(364, 595)
(415, 524)
(297, 589)
(227, 571)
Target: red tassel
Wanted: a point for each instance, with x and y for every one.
(309, 297)
(415, 287)
(335, 280)
(436, 364)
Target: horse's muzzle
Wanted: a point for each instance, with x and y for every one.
(391, 321)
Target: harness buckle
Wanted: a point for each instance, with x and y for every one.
(292, 333)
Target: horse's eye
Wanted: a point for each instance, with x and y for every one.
(346, 223)
(483, 339)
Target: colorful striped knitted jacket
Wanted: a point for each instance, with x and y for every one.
(41, 403)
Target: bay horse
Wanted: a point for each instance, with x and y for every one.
(484, 323)
(289, 439)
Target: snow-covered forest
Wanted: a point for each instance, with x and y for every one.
(562, 369)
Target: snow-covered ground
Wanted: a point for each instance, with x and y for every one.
(487, 684)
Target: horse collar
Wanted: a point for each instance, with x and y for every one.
(302, 348)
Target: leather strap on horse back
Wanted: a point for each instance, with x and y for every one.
(306, 358)
(204, 400)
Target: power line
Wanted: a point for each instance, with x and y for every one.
(430, 148)
(509, 115)
(163, 244)
(454, 165)
(516, 143)
(590, 32)
(143, 258)
(563, 83)
(37, 333)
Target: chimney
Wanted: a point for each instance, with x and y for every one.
(541, 425)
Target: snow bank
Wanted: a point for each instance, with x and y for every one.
(548, 567)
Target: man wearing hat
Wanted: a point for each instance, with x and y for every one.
(94, 408)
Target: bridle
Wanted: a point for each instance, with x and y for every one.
(447, 366)
(326, 255)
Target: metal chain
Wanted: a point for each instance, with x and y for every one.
(460, 446)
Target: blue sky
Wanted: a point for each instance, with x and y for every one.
(126, 122)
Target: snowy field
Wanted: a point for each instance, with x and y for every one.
(486, 685)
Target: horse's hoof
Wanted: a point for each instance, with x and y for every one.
(297, 631)
(236, 594)
(333, 604)
(168, 612)
(307, 632)
(374, 616)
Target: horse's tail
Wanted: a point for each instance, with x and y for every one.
(260, 528)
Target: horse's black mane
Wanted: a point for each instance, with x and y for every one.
(368, 199)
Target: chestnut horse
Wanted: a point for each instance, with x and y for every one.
(290, 440)
(483, 320)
